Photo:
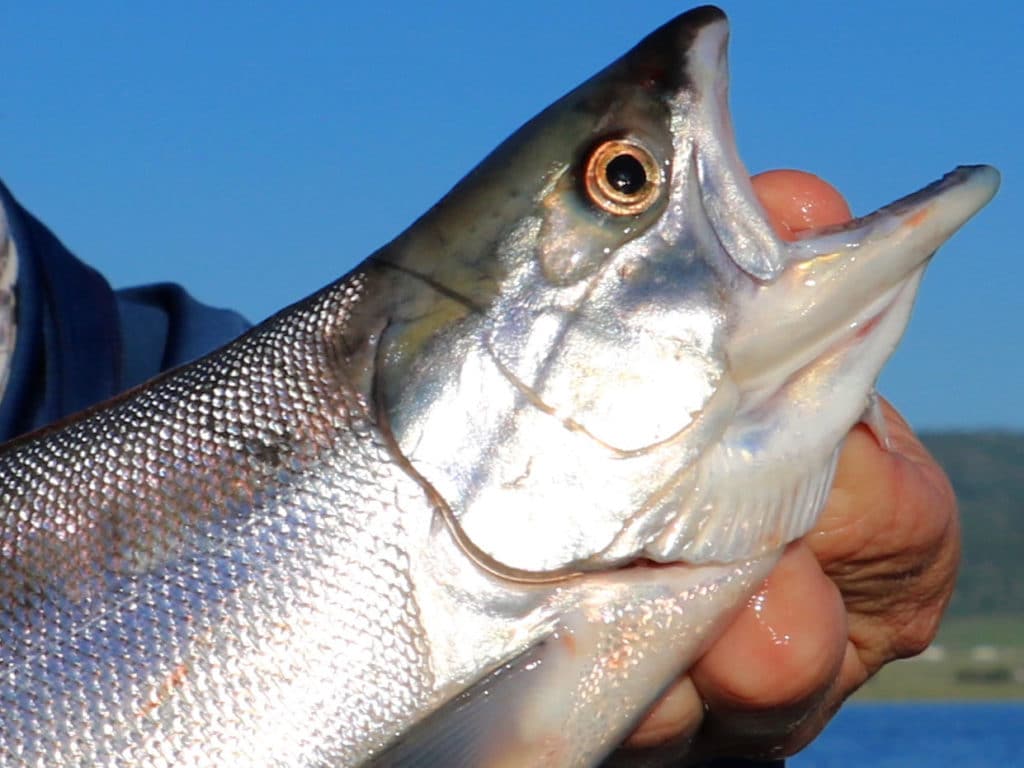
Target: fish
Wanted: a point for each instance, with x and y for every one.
(482, 499)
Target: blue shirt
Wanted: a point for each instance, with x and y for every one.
(79, 341)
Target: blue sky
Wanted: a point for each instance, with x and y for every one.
(256, 156)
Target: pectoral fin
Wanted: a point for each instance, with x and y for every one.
(569, 700)
(465, 732)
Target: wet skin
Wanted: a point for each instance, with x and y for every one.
(868, 585)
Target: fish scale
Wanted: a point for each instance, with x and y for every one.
(133, 601)
(482, 500)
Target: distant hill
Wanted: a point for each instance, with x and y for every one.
(987, 470)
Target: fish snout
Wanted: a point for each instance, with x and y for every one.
(838, 282)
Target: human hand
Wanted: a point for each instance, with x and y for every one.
(866, 586)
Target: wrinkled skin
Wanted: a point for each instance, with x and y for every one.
(868, 585)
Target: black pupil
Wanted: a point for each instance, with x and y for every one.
(626, 174)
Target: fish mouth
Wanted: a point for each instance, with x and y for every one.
(838, 283)
(811, 323)
(831, 284)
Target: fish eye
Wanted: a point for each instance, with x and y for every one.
(622, 178)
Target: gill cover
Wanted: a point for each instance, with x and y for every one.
(560, 356)
(596, 349)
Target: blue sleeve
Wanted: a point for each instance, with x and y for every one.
(78, 341)
(163, 327)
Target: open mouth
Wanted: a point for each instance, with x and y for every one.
(836, 285)
(933, 213)
(912, 227)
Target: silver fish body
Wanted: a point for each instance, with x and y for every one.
(411, 520)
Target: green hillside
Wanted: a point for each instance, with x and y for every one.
(979, 653)
(987, 470)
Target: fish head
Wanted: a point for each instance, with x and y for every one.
(596, 349)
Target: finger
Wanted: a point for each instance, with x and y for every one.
(875, 489)
(773, 665)
(675, 718)
(796, 201)
(889, 537)
(776, 663)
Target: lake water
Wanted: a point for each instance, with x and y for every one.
(967, 735)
